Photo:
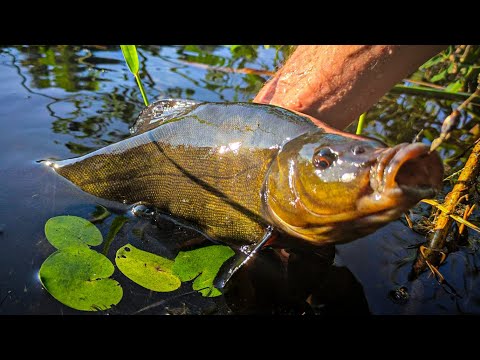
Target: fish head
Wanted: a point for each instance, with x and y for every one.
(334, 188)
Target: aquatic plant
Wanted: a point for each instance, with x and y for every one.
(79, 277)
(131, 57)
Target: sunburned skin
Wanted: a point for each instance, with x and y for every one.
(337, 83)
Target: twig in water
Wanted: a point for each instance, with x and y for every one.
(451, 121)
(445, 219)
(466, 215)
(409, 221)
(163, 302)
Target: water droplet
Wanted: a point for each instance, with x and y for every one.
(245, 249)
(141, 210)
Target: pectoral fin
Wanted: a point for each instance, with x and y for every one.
(240, 259)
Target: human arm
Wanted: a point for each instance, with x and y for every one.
(337, 83)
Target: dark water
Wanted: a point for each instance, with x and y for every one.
(57, 102)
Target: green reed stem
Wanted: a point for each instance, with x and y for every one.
(131, 57)
(142, 90)
(361, 123)
(418, 90)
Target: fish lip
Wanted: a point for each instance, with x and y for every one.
(384, 199)
(420, 153)
(388, 191)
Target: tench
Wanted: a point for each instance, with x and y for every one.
(241, 172)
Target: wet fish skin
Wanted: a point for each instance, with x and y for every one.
(232, 170)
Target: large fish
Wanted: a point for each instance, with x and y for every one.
(242, 172)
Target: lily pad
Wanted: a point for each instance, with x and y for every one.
(146, 269)
(78, 278)
(204, 263)
(66, 231)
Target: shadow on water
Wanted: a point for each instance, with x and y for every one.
(62, 101)
(296, 283)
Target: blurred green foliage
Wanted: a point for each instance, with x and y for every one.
(456, 68)
(91, 98)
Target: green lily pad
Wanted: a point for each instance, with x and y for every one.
(66, 231)
(78, 278)
(204, 263)
(146, 269)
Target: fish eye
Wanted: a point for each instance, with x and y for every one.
(323, 158)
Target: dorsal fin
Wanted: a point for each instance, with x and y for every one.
(159, 112)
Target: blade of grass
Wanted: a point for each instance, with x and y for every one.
(142, 90)
(423, 91)
(131, 57)
(361, 123)
(453, 216)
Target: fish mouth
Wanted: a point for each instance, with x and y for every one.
(398, 178)
(402, 176)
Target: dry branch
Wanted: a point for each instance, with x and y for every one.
(434, 252)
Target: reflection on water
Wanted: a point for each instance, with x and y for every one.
(62, 101)
(94, 100)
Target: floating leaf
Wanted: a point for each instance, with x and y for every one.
(78, 278)
(66, 231)
(131, 57)
(146, 269)
(204, 263)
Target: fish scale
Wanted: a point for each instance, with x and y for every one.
(176, 166)
(235, 171)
